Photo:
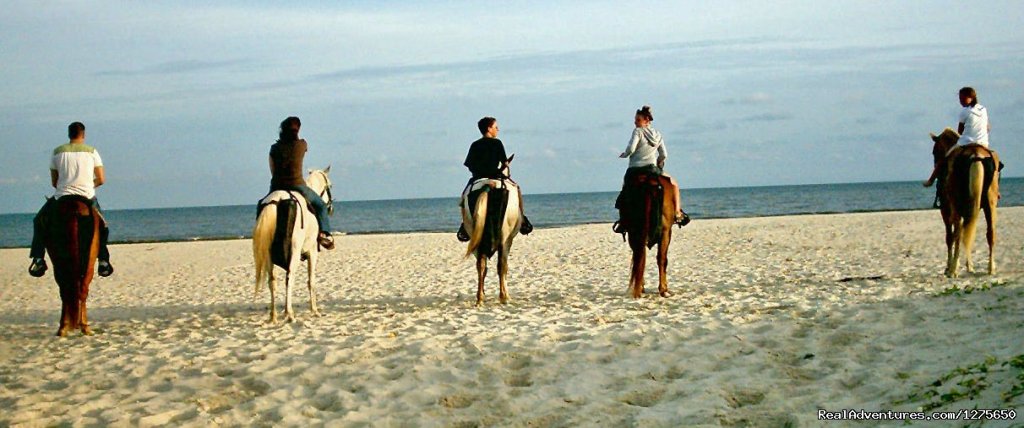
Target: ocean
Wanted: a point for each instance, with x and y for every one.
(544, 210)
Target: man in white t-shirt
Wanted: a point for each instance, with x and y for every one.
(75, 169)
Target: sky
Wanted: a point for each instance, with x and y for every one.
(183, 99)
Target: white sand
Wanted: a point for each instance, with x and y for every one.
(760, 332)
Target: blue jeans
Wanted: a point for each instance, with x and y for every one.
(318, 204)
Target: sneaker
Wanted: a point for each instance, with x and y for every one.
(682, 219)
(462, 235)
(104, 268)
(38, 267)
(325, 241)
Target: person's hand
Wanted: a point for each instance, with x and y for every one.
(623, 155)
(928, 183)
(661, 163)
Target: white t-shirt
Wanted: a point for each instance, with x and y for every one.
(975, 120)
(76, 168)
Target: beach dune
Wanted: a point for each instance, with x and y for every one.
(772, 320)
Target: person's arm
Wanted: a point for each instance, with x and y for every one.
(931, 178)
(633, 141)
(960, 128)
(98, 177)
(53, 178)
(271, 165)
(662, 154)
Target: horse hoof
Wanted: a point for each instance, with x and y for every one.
(666, 293)
(62, 333)
(86, 331)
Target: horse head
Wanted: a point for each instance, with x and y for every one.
(943, 142)
(320, 182)
(505, 166)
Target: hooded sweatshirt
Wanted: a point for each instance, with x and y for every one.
(645, 147)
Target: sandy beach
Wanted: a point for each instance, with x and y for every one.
(772, 320)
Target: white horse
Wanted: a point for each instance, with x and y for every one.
(303, 244)
(479, 230)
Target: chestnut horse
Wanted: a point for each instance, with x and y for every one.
(645, 226)
(969, 188)
(488, 236)
(73, 242)
(301, 247)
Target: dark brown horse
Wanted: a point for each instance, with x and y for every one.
(73, 240)
(648, 212)
(970, 186)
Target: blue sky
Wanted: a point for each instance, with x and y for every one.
(183, 99)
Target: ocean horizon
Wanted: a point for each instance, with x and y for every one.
(545, 211)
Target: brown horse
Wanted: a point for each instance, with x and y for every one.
(648, 216)
(73, 241)
(971, 185)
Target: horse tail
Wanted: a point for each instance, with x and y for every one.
(262, 238)
(479, 218)
(975, 189)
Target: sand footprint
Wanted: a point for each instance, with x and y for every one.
(456, 401)
(647, 397)
(743, 397)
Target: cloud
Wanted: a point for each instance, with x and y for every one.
(768, 117)
(751, 99)
(175, 67)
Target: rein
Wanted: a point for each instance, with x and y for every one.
(327, 189)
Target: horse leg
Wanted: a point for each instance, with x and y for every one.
(311, 266)
(970, 227)
(953, 265)
(948, 222)
(990, 221)
(481, 273)
(273, 296)
(666, 238)
(84, 322)
(636, 277)
(65, 310)
(502, 273)
(289, 279)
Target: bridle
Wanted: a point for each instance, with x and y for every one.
(329, 200)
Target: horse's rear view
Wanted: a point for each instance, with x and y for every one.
(648, 211)
(73, 245)
(491, 214)
(971, 187)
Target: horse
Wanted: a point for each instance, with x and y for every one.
(648, 211)
(73, 242)
(292, 249)
(970, 187)
(495, 234)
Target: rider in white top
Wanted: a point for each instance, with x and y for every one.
(974, 126)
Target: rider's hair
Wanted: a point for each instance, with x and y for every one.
(968, 91)
(485, 124)
(75, 130)
(290, 129)
(645, 112)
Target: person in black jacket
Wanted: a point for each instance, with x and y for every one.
(485, 159)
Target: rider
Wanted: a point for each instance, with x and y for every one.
(286, 174)
(647, 153)
(75, 169)
(973, 128)
(485, 159)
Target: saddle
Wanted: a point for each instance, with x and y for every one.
(56, 212)
(640, 206)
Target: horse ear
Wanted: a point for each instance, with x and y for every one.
(510, 158)
(934, 137)
(328, 169)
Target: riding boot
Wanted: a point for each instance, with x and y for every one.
(462, 235)
(325, 241)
